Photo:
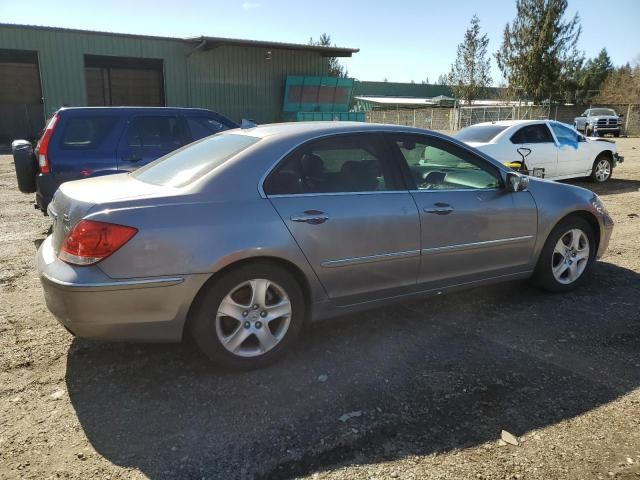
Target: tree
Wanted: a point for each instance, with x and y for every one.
(335, 69)
(470, 73)
(443, 79)
(591, 76)
(621, 86)
(539, 49)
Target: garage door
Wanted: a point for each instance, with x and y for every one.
(120, 81)
(21, 110)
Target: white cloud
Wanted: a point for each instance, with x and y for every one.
(250, 5)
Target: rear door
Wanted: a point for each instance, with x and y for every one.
(151, 136)
(343, 200)
(573, 151)
(472, 227)
(536, 145)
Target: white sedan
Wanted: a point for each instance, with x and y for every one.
(544, 148)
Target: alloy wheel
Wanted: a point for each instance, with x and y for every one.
(570, 256)
(603, 170)
(253, 317)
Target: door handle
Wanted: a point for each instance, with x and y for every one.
(441, 208)
(312, 217)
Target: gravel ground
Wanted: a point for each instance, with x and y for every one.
(420, 390)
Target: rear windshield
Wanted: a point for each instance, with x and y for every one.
(479, 133)
(189, 163)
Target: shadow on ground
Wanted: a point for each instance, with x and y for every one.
(427, 376)
(613, 186)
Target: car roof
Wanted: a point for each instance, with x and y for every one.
(510, 123)
(297, 129)
(134, 109)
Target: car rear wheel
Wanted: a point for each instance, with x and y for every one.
(587, 131)
(602, 169)
(249, 316)
(566, 256)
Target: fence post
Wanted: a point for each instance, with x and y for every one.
(556, 116)
(414, 117)
(626, 122)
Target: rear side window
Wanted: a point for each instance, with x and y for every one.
(156, 132)
(342, 164)
(538, 133)
(184, 166)
(203, 127)
(479, 133)
(86, 132)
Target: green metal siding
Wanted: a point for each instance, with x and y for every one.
(414, 90)
(236, 81)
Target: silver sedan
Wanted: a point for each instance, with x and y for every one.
(242, 238)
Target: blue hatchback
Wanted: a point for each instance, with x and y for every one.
(91, 141)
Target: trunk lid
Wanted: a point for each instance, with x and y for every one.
(75, 200)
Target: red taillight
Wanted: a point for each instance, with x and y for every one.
(90, 242)
(43, 145)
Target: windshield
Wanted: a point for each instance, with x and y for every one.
(479, 133)
(189, 163)
(602, 111)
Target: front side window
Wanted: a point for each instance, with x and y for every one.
(435, 164)
(342, 164)
(537, 133)
(156, 133)
(565, 135)
(86, 132)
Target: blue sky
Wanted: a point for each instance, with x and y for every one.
(401, 40)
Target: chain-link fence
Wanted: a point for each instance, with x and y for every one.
(439, 118)
(429, 118)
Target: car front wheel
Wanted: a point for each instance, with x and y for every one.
(249, 316)
(566, 256)
(602, 169)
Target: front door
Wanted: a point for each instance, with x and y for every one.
(472, 227)
(572, 160)
(343, 200)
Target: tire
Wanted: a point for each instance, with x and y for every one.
(616, 134)
(577, 261)
(602, 169)
(587, 131)
(254, 338)
(26, 167)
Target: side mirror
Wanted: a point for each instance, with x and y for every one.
(517, 182)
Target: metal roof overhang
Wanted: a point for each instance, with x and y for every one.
(208, 43)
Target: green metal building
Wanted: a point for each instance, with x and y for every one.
(44, 68)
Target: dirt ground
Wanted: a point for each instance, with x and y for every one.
(429, 384)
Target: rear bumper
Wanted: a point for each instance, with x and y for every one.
(46, 186)
(90, 304)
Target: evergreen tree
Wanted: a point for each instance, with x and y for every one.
(471, 71)
(539, 49)
(592, 76)
(335, 68)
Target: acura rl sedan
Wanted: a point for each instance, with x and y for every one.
(243, 237)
